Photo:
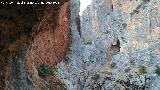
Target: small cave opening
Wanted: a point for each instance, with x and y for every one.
(116, 48)
(117, 44)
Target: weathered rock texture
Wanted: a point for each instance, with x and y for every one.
(117, 38)
(29, 36)
(106, 48)
(16, 27)
(50, 46)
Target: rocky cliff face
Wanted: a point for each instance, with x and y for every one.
(117, 39)
(29, 36)
(113, 45)
(50, 46)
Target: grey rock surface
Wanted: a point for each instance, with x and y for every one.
(22, 80)
(124, 32)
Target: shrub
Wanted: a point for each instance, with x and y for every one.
(145, 1)
(130, 76)
(135, 11)
(87, 41)
(131, 13)
(157, 70)
(44, 70)
(128, 69)
(143, 69)
(113, 65)
(138, 7)
(96, 77)
(132, 62)
(124, 25)
(109, 73)
(54, 86)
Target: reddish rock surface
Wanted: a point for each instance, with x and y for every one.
(51, 44)
(45, 28)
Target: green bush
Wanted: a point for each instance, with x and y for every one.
(109, 73)
(128, 69)
(96, 77)
(138, 7)
(157, 71)
(135, 11)
(87, 40)
(124, 25)
(44, 70)
(88, 43)
(54, 87)
(113, 65)
(145, 1)
(143, 69)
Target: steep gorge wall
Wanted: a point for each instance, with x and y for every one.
(89, 49)
(50, 46)
(25, 28)
(138, 32)
(111, 37)
(116, 36)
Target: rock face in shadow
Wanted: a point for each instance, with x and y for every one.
(21, 78)
(16, 26)
(25, 28)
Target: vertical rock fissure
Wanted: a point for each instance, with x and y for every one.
(78, 25)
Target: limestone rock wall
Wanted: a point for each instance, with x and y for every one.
(89, 50)
(118, 37)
